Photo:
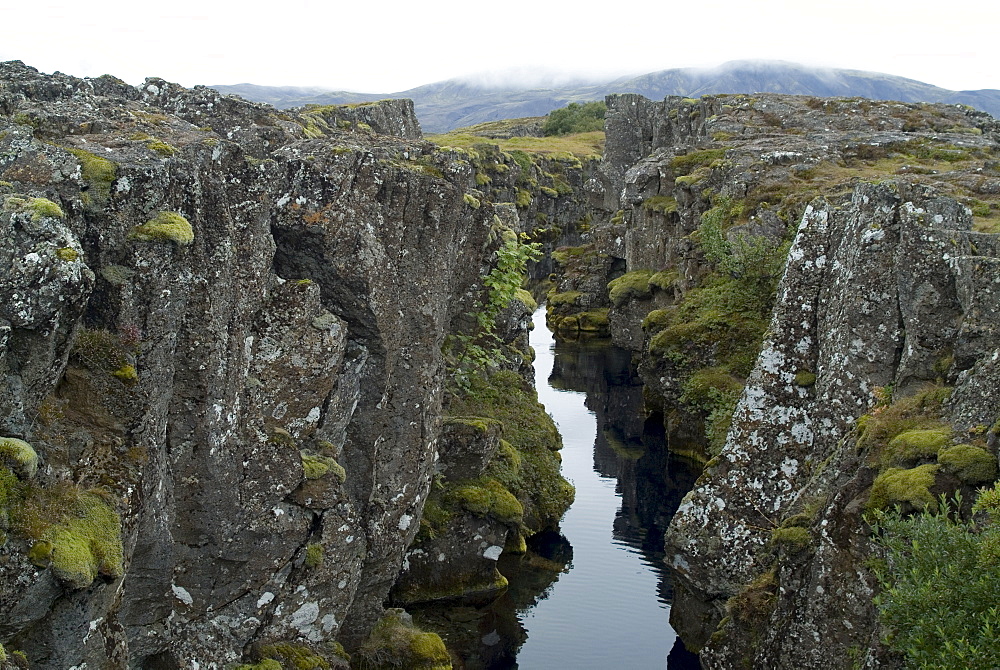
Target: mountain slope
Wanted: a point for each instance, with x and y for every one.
(455, 103)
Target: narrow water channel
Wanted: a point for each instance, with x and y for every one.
(610, 609)
(597, 595)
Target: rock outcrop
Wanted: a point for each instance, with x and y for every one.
(221, 330)
(784, 265)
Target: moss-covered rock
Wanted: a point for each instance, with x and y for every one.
(396, 643)
(77, 534)
(629, 286)
(165, 227)
(910, 489)
(19, 456)
(912, 446)
(973, 465)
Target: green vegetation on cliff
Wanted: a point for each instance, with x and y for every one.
(527, 465)
(940, 577)
(576, 118)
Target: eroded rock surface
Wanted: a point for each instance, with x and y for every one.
(254, 382)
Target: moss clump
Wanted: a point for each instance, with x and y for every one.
(910, 489)
(912, 446)
(564, 299)
(98, 172)
(266, 664)
(971, 464)
(396, 643)
(527, 299)
(791, 538)
(294, 656)
(76, 533)
(685, 164)
(314, 555)
(471, 200)
(593, 321)
(522, 199)
(165, 227)
(920, 411)
(19, 456)
(664, 280)
(40, 207)
(631, 285)
(67, 254)
(127, 374)
(805, 378)
(663, 204)
(487, 497)
(658, 319)
(161, 147)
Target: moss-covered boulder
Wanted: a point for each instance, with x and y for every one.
(910, 489)
(19, 456)
(396, 643)
(973, 465)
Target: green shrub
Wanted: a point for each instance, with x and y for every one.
(576, 118)
(939, 581)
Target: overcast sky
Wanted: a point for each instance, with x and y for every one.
(385, 47)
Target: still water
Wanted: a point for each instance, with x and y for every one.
(610, 609)
(595, 596)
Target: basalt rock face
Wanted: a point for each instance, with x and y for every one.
(787, 260)
(252, 381)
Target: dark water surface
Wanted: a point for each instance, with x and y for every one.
(611, 608)
(597, 596)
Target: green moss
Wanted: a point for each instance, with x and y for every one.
(705, 385)
(165, 227)
(292, 656)
(566, 298)
(593, 321)
(630, 286)
(396, 643)
(40, 207)
(663, 204)
(314, 555)
(76, 533)
(907, 488)
(266, 664)
(472, 201)
(920, 411)
(523, 198)
(973, 465)
(527, 299)
(97, 171)
(19, 456)
(805, 378)
(161, 147)
(526, 465)
(792, 538)
(67, 254)
(664, 280)
(127, 374)
(685, 164)
(911, 446)
(658, 319)
(487, 497)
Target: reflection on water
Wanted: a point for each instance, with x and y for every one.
(597, 596)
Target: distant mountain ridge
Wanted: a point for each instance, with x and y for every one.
(456, 103)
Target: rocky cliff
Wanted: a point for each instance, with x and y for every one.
(794, 271)
(222, 339)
